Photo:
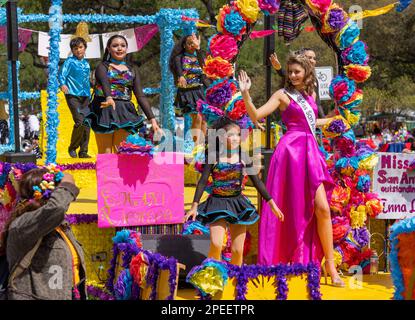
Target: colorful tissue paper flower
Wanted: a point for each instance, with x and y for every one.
(338, 258)
(236, 109)
(358, 73)
(358, 217)
(335, 127)
(269, 6)
(134, 144)
(138, 268)
(209, 278)
(347, 166)
(319, 7)
(216, 68)
(354, 100)
(245, 123)
(351, 253)
(348, 35)
(223, 46)
(374, 207)
(341, 228)
(209, 113)
(363, 184)
(345, 147)
(220, 92)
(342, 89)
(363, 150)
(230, 21)
(249, 9)
(334, 19)
(352, 116)
(361, 236)
(369, 162)
(356, 54)
(194, 227)
(339, 198)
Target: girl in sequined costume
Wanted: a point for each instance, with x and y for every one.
(226, 204)
(112, 115)
(186, 62)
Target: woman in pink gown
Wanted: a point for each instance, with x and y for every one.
(298, 178)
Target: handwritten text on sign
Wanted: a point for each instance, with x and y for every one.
(134, 190)
(395, 185)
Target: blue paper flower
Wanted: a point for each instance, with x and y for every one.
(234, 23)
(348, 35)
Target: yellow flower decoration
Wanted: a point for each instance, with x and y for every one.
(338, 259)
(44, 185)
(351, 117)
(358, 217)
(249, 10)
(208, 280)
(369, 163)
(330, 134)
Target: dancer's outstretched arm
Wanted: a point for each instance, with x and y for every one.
(269, 107)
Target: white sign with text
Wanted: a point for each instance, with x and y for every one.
(324, 76)
(395, 185)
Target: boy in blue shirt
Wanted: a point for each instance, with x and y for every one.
(75, 84)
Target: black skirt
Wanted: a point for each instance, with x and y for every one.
(235, 210)
(186, 100)
(108, 120)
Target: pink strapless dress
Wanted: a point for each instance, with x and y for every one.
(296, 170)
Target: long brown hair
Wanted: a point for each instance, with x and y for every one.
(309, 76)
(26, 203)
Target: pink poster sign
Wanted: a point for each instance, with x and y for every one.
(134, 190)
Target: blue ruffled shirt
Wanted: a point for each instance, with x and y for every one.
(74, 73)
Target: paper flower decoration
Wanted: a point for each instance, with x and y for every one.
(138, 269)
(210, 113)
(223, 46)
(269, 6)
(358, 73)
(249, 9)
(134, 144)
(348, 35)
(334, 19)
(216, 68)
(209, 278)
(342, 89)
(230, 21)
(335, 127)
(354, 100)
(220, 92)
(356, 54)
(358, 217)
(319, 7)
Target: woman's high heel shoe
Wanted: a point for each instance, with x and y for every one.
(336, 282)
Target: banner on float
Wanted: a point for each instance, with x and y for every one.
(93, 50)
(129, 34)
(395, 185)
(135, 190)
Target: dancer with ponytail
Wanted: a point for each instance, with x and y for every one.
(112, 115)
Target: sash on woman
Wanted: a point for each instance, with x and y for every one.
(307, 109)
